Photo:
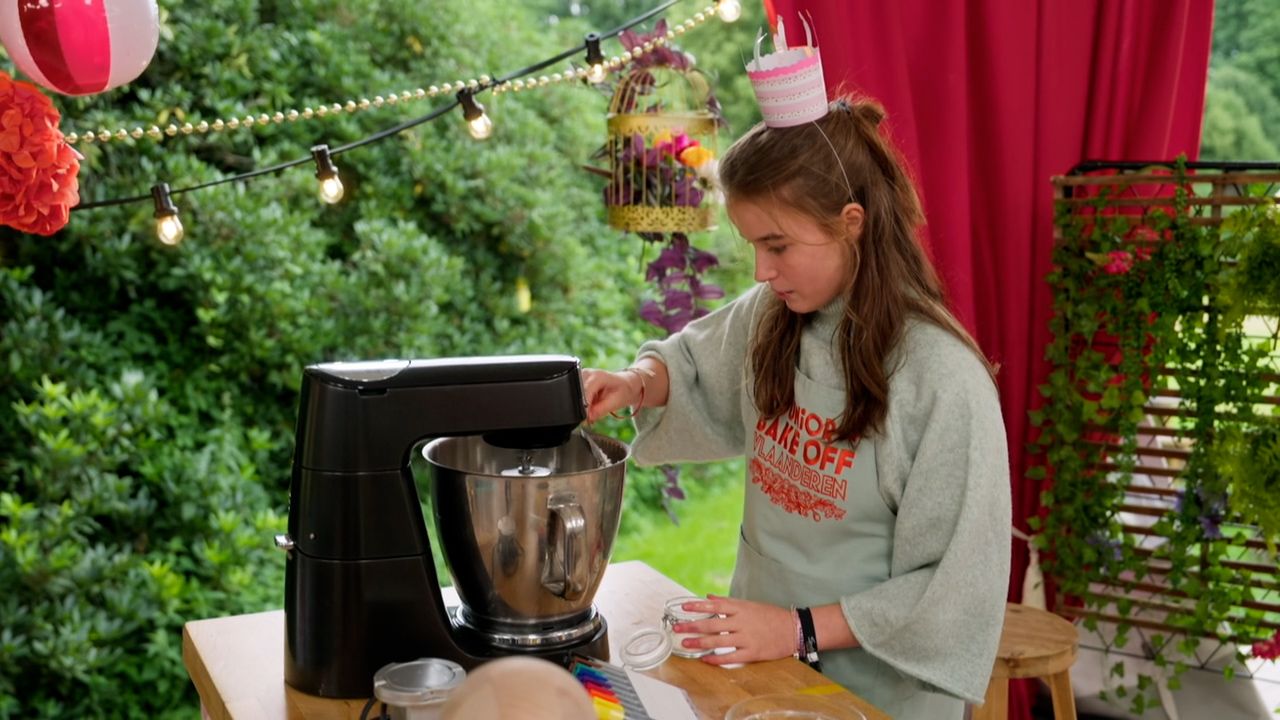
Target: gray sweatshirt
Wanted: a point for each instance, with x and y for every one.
(907, 529)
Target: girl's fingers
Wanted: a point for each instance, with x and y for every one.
(703, 606)
(737, 657)
(710, 626)
(709, 641)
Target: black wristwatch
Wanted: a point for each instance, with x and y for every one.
(810, 650)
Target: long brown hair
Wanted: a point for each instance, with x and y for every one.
(890, 275)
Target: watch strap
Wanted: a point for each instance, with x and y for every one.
(809, 652)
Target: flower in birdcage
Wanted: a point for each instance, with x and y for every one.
(673, 144)
(634, 152)
(695, 156)
(662, 173)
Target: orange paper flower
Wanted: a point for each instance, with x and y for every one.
(695, 156)
(38, 185)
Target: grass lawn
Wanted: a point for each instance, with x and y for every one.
(699, 552)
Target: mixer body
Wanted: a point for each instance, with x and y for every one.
(361, 589)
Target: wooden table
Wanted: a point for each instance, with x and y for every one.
(237, 663)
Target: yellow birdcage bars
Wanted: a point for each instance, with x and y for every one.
(662, 152)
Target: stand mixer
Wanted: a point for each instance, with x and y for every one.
(525, 508)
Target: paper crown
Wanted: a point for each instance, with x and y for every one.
(788, 81)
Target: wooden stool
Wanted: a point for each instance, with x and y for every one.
(1033, 644)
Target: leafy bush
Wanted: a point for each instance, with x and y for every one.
(150, 392)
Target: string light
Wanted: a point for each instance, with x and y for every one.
(728, 10)
(478, 123)
(595, 59)
(168, 226)
(331, 190)
(321, 111)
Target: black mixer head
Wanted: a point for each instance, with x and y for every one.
(530, 438)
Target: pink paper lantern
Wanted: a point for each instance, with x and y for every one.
(80, 47)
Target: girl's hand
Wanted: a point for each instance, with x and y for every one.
(607, 392)
(759, 631)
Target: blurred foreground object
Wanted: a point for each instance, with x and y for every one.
(519, 688)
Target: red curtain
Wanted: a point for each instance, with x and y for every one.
(988, 99)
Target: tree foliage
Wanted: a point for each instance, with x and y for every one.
(1242, 104)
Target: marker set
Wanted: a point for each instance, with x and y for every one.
(612, 693)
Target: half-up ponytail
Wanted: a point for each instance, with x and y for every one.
(869, 112)
(809, 167)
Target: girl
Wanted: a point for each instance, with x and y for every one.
(874, 538)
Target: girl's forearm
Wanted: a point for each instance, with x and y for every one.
(831, 628)
(657, 383)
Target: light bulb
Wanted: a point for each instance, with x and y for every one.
(729, 10)
(480, 127)
(169, 229)
(168, 226)
(331, 189)
(595, 59)
(478, 123)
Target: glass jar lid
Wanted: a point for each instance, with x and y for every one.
(647, 649)
(417, 682)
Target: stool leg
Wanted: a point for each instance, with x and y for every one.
(1064, 701)
(996, 704)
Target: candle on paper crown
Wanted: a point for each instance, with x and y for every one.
(788, 81)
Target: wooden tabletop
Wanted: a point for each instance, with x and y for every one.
(237, 663)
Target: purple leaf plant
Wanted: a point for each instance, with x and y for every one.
(676, 273)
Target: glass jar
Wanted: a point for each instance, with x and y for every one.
(672, 614)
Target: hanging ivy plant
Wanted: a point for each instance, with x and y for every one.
(1154, 328)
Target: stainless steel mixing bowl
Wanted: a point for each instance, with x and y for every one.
(526, 552)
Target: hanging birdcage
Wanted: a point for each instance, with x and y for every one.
(662, 152)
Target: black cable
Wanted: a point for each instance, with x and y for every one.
(202, 186)
(636, 20)
(284, 165)
(393, 130)
(572, 52)
(383, 134)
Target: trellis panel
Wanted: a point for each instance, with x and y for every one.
(1142, 472)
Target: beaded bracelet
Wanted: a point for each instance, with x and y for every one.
(799, 644)
(642, 373)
